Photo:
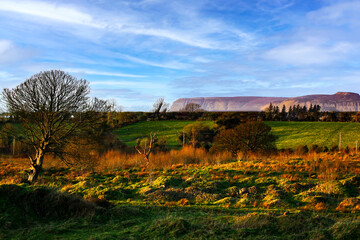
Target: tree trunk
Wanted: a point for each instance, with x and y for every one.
(36, 167)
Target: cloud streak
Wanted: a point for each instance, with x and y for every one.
(93, 72)
(113, 83)
(150, 48)
(307, 53)
(57, 12)
(9, 53)
(171, 65)
(195, 37)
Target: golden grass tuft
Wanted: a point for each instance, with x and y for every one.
(185, 156)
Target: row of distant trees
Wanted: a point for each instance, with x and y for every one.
(293, 113)
(303, 113)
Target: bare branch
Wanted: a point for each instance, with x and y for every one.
(53, 107)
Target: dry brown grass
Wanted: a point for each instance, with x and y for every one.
(186, 155)
(12, 168)
(325, 166)
(291, 166)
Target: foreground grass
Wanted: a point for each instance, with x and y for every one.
(24, 221)
(284, 197)
(291, 134)
(140, 222)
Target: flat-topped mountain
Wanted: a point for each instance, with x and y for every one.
(341, 101)
(226, 103)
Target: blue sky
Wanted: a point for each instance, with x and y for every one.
(136, 51)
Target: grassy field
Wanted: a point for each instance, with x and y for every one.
(288, 197)
(191, 194)
(291, 134)
(165, 129)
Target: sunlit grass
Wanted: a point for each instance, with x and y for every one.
(164, 129)
(187, 193)
(291, 134)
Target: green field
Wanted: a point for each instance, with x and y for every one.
(165, 129)
(291, 134)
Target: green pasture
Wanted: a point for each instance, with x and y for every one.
(164, 129)
(290, 134)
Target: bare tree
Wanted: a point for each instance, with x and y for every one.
(113, 113)
(146, 150)
(192, 107)
(160, 106)
(114, 106)
(54, 109)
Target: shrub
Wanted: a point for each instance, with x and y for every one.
(246, 137)
(198, 134)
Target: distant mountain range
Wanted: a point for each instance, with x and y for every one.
(341, 101)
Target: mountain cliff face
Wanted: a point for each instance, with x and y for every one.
(226, 104)
(341, 101)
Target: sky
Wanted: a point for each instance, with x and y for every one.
(136, 51)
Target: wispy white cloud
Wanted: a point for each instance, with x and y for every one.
(326, 35)
(307, 53)
(174, 35)
(192, 38)
(256, 83)
(5, 45)
(274, 5)
(133, 22)
(5, 75)
(142, 84)
(343, 12)
(215, 47)
(53, 11)
(101, 73)
(171, 64)
(9, 53)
